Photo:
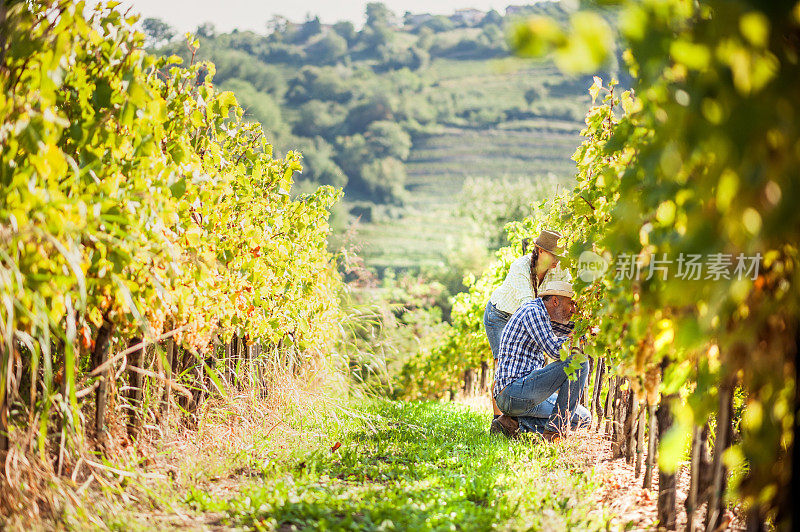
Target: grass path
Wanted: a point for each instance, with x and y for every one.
(376, 465)
(381, 466)
(413, 466)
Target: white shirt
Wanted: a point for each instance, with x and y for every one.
(516, 287)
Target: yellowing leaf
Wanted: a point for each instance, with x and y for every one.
(664, 338)
(694, 56)
(193, 235)
(755, 28)
(597, 85)
(225, 100)
(96, 317)
(589, 45)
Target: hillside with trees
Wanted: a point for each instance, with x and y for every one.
(402, 113)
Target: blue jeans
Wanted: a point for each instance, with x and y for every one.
(522, 397)
(493, 321)
(537, 420)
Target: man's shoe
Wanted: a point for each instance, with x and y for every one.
(550, 436)
(505, 425)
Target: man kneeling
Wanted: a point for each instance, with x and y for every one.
(522, 380)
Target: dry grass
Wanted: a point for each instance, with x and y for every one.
(622, 492)
(217, 445)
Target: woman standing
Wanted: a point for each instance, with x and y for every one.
(524, 278)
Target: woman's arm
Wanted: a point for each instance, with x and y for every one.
(557, 274)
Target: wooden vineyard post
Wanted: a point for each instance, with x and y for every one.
(102, 345)
(704, 473)
(244, 353)
(230, 349)
(136, 385)
(584, 400)
(700, 480)
(607, 403)
(237, 362)
(484, 377)
(630, 428)
(610, 398)
(200, 385)
(241, 366)
(598, 391)
(257, 366)
(593, 382)
(465, 389)
(651, 446)
(165, 400)
(228, 365)
(181, 356)
(640, 426)
(615, 425)
(61, 347)
(232, 360)
(195, 370)
(176, 361)
(694, 478)
(251, 364)
(666, 481)
(620, 419)
(716, 503)
(611, 424)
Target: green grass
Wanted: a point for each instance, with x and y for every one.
(413, 466)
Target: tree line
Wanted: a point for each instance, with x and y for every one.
(353, 100)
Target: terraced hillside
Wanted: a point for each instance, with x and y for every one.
(439, 164)
(429, 228)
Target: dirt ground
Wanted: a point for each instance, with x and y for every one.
(622, 492)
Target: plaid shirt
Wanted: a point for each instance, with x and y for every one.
(527, 336)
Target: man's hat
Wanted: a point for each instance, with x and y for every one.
(557, 288)
(548, 241)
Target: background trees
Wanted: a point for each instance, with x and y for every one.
(157, 31)
(333, 82)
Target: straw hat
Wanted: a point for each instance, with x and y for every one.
(548, 241)
(557, 288)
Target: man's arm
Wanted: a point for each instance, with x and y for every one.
(537, 323)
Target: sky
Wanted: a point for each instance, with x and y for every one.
(186, 15)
